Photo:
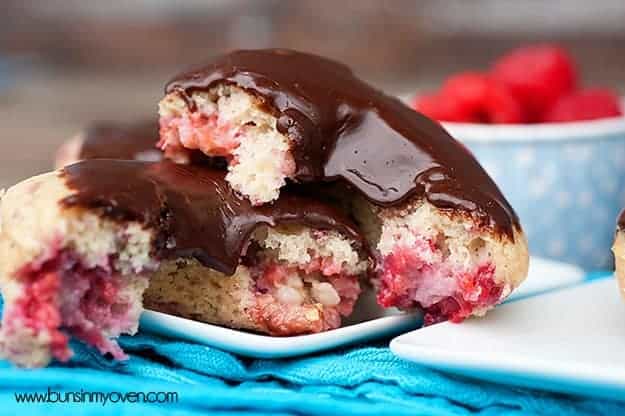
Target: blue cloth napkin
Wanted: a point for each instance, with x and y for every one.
(364, 380)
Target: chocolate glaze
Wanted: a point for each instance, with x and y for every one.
(345, 129)
(621, 221)
(192, 208)
(109, 140)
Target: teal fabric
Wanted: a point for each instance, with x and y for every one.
(363, 380)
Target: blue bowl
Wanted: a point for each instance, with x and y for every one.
(566, 182)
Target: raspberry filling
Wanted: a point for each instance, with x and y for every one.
(37, 310)
(207, 133)
(302, 299)
(198, 131)
(418, 276)
(61, 297)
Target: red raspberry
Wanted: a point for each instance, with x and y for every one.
(467, 88)
(484, 99)
(589, 104)
(440, 108)
(502, 107)
(537, 75)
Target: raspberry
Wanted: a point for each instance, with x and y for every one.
(589, 104)
(502, 107)
(448, 308)
(485, 99)
(537, 76)
(440, 108)
(467, 88)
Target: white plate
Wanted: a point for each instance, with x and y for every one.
(545, 275)
(368, 322)
(570, 341)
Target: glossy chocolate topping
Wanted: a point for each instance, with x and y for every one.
(621, 220)
(132, 141)
(343, 128)
(192, 207)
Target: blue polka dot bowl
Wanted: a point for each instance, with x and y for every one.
(566, 182)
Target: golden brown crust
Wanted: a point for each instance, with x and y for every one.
(185, 288)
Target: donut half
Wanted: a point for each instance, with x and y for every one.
(85, 248)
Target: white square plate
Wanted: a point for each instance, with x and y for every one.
(368, 322)
(570, 341)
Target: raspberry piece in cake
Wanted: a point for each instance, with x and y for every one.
(444, 264)
(228, 122)
(66, 275)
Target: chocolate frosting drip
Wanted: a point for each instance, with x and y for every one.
(345, 129)
(191, 207)
(108, 140)
(621, 220)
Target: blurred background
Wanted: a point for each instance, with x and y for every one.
(64, 63)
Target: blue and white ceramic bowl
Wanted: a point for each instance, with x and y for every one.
(566, 182)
